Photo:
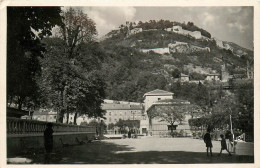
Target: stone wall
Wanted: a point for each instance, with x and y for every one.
(25, 136)
(179, 30)
(18, 144)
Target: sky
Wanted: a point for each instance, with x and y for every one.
(233, 24)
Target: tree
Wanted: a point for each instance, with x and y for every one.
(71, 66)
(176, 73)
(111, 126)
(67, 86)
(245, 118)
(171, 112)
(24, 48)
(77, 28)
(222, 110)
(77, 84)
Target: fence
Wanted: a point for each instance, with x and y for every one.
(20, 126)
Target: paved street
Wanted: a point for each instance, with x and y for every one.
(141, 151)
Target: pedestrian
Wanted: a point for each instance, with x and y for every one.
(207, 140)
(48, 142)
(223, 145)
(129, 134)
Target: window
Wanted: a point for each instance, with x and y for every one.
(110, 113)
(172, 127)
(159, 98)
(54, 117)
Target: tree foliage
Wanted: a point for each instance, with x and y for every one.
(172, 111)
(24, 48)
(71, 80)
(77, 28)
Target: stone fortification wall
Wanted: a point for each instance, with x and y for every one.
(181, 47)
(179, 30)
(156, 50)
(177, 47)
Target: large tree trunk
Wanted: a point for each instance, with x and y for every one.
(68, 116)
(20, 102)
(75, 118)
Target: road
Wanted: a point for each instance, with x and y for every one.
(141, 151)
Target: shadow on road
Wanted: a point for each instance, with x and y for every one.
(110, 153)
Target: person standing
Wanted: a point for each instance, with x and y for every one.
(223, 145)
(129, 134)
(48, 142)
(207, 140)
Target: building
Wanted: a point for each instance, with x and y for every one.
(184, 78)
(117, 111)
(47, 115)
(213, 77)
(162, 116)
(149, 99)
(135, 31)
(155, 103)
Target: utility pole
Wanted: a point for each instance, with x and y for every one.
(231, 130)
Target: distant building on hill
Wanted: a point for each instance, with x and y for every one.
(184, 78)
(135, 31)
(212, 77)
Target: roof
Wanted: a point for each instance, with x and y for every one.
(114, 106)
(173, 101)
(158, 92)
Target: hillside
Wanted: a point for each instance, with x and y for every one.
(141, 60)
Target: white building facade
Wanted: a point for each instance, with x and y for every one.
(149, 99)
